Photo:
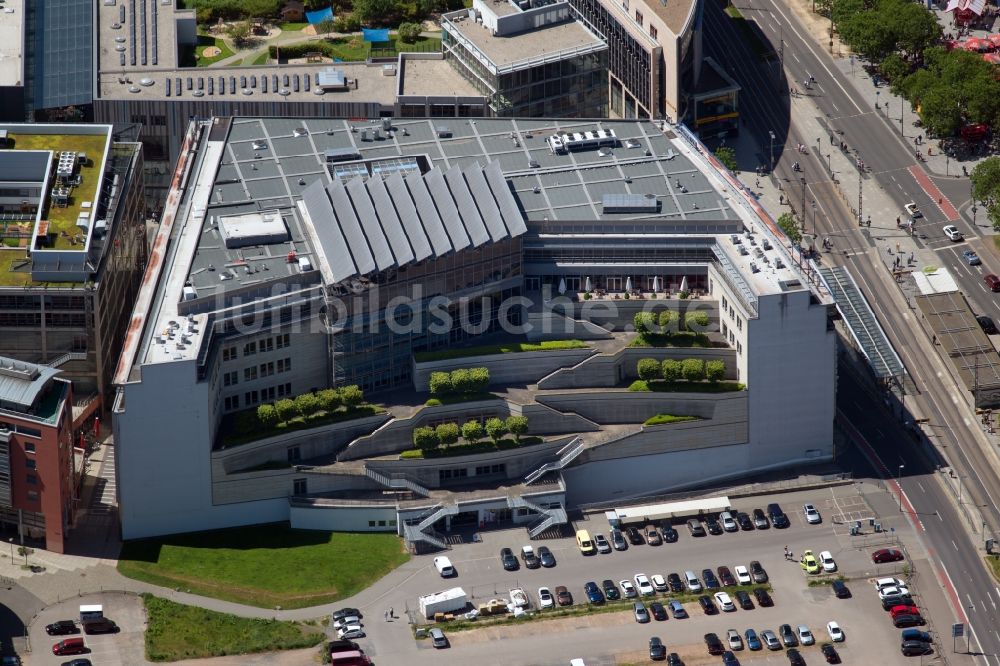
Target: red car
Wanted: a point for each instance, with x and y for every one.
(886, 555)
(903, 610)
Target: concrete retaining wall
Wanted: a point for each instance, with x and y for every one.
(544, 420)
(505, 369)
(556, 326)
(271, 484)
(608, 407)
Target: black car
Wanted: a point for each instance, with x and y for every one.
(744, 600)
(669, 534)
(61, 628)
(657, 650)
(594, 594)
(708, 605)
(794, 658)
(757, 572)
(674, 659)
(986, 323)
(726, 577)
(77, 662)
(546, 557)
(915, 635)
(658, 612)
(763, 598)
(713, 644)
(830, 653)
(840, 589)
(915, 648)
(746, 524)
(907, 620)
(610, 589)
(675, 583)
(894, 600)
(711, 582)
(354, 612)
(787, 635)
(530, 558)
(508, 560)
(760, 519)
(712, 525)
(777, 516)
(634, 536)
(729, 659)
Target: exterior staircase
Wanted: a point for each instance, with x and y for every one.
(548, 517)
(567, 454)
(397, 482)
(419, 529)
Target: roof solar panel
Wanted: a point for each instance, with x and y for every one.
(448, 210)
(253, 81)
(263, 84)
(168, 86)
(155, 38)
(351, 228)
(370, 224)
(222, 85)
(284, 80)
(483, 199)
(305, 80)
(190, 83)
(274, 83)
(468, 214)
(211, 86)
(429, 218)
(331, 238)
(232, 85)
(505, 199)
(407, 212)
(295, 83)
(201, 83)
(243, 82)
(391, 224)
(121, 59)
(177, 85)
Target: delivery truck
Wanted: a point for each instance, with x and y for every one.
(446, 601)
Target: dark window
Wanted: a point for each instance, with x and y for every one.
(32, 480)
(294, 453)
(299, 487)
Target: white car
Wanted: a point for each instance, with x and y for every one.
(645, 587)
(892, 590)
(351, 631)
(953, 234)
(725, 602)
(344, 621)
(628, 589)
(836, 635)
(545, 599)
(659, 582)
(913, 211)
(826, 559)
(812, 515)
(742, 575)
(805, 636)
(728, 522)
(889, 582)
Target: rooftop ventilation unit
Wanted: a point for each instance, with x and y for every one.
(630, 203)
(564, 143)
(342, 154)
(443, 132)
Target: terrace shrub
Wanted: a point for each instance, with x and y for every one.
(267, 415)
(696, 321)
(351, 395)
(440, 383)
(648, 368)
(306, 404)
(496, 429)
(425, 438)
(461, 381)
(693, 369)
(644, 322)
(329, 399)
(517, 426)
(480, 378)
(668, 319)
(715, 370)
(286, 409)
(671, 369)
(447, 433)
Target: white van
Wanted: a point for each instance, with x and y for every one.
(693, 584)
(444, 567)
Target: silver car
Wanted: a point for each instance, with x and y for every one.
(438, 639)
(641, 614)
(769, 640)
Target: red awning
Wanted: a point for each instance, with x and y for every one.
(974, 6)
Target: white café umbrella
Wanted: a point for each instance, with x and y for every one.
(587, 286)
(562, 286)
(628, 283)
(684, 283)
(656, 284)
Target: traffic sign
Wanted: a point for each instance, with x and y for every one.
(957, 630)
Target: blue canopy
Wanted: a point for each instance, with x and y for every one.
(376, 34)
(319, 15)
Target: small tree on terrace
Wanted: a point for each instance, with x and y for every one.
(425, 438)
(644, 322)
(648, 369)
(472, 431)
(408, 32)
(696, 321)
(727, 156)
(440, 383)
(447, 433)
(517, 426)
(693, 369)
(267, 415)
(671, 369)
(668, 320)
(480, 379)
(715, 370)
(496, 429)
(286, 409)
(329, 399)
(461, 380)
(307, 403)
(352, 395)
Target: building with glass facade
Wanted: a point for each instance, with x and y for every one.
(533, 59)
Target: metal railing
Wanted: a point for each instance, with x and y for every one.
(554, 517)
(567, 454)
(397, 481)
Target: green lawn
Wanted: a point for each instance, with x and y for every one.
(508, 348)
(456, 398)
(206, 41)
(261, 59)
(661, 419)
(176, 632)
(230, 433)
(265, 565)
(661, 386)
(467, 448)
(292, 26)
(679, 339)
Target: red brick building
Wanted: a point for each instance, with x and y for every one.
(37, 472)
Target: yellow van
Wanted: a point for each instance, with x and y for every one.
(584, 542)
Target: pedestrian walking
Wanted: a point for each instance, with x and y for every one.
(392, 613)
(385, 616)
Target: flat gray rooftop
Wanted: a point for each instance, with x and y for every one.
(12, 44)
(137, 33)
(434, 78)
(513, 50)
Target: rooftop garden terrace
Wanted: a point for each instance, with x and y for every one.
(504, 348)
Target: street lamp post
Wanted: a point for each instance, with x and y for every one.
(803, 181)
(900, 116)
(899, 476)
(771, 132)
(814, 215)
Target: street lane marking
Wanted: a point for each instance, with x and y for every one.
(955, 545)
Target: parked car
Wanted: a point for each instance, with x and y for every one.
(805, 636)
(725, 602)
(677, 609)
(893, 591)
(602, 544)
(438, 639)
(675, 582)
(62, 628)
(628, 589)
(795, 658)
(896, 611)
(695, 527)
(674, 659)
(986, 323)
(563, 596)
(753, 643)
(763, 598)
(713, 526)
(713, 644)
(913, 211)
(618, 540)
(545, 598)
(657, 650)
(546, 557)
(508, 560)
(894, 600)
(743, 599)
(788, 636)
(659, 582)
(653, 537)
(634, 536)
(777, 516)
(645, 587)
(840, 589)
(830, 653)
(726, 577)
(711, 582)
(992, 281)
(348, 612)
(594, 594)
(640, 613)
(886, 555)
(344, 621)
(758, 572)
(658, 612)
(610, 589)
(730, 659)
(915, 648)
(530, 558)
(812, 514)
(760, 519)
(350, 631)
(707, 605)
(915, 635)
(745, 522)
(971, 258)
(742, 575)
(809, 562)
(728, 522)
(835, 632)
(734, 639)
(901, 621)
(882, 583)
(770, 640)
(952, 233)
(669, 534)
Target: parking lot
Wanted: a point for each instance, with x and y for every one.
(616, 638)
(124, 648)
